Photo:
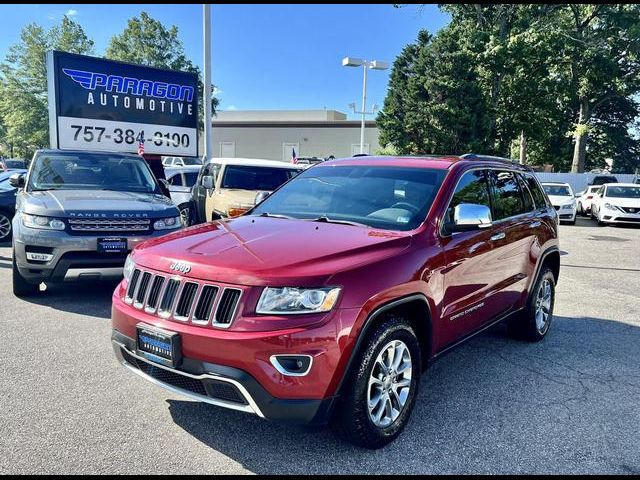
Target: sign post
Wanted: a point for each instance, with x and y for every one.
(99, 104)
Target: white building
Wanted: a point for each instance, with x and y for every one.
(273, 134)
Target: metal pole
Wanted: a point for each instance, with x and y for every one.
(208, 140)
(364, 105)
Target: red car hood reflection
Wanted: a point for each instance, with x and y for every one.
(259, 251)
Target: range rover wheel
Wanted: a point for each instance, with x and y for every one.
(380, 392)
(533, 322)
(5, 227)
(22, 288)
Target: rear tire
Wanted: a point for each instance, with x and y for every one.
(532, 324)
(379, 393)
(22, 288)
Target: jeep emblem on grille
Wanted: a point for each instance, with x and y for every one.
(180, 267)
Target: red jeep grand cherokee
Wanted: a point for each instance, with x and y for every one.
(326, 301)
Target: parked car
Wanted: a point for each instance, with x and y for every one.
(584, 200)
(181, 161)
(80, 213)
(602, 179)
(327, 301)
(227, 187)
(616, 203)
(9, 164)
(7, 204)
(563, 200)
(309, 161)
(180, 181)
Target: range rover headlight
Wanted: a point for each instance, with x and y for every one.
(168, 223)
(293, 300)
(45, 223)
(129, 267)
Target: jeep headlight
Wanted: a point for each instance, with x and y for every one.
(45, 223)
(167, 223)
(129, 267)
(293, 300)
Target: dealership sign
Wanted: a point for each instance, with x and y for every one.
(98, 104)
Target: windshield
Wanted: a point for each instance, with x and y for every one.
(87, 171)
(557, 190)
(14, 164)
(245, 177)
(390, 198)
(623, 192)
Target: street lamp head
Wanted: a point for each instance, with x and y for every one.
(378, 65)
(352, 62)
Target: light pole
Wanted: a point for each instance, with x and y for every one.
(365, 64)
(206, 24)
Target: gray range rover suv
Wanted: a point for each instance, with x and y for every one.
(78, 214)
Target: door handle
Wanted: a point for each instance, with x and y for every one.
(498, 236)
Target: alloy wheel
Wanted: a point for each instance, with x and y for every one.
(543, 306)
(389, 384)
(5, 227)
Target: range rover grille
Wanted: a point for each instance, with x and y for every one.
(109, 225)
(184, 300)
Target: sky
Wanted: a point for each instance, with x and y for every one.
(264, 56)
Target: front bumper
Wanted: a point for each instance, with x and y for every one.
(221, 386)
(73, 257)
(612, 216)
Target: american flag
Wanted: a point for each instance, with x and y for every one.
(294, 157)
(140, 145)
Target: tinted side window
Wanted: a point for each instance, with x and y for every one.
(529, 204)
(536, 191)
(190, 179)
(176, 180)
(507, 197)
(473, 187)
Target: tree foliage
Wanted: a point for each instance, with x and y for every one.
(564, 76)
(146, 41)
(23, 83)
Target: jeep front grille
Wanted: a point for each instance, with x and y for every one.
(183, 300)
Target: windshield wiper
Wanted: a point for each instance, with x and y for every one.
(275, 215)
(326, 219)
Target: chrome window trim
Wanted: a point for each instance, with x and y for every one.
(493, 222)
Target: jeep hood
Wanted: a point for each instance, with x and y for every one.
(96, 203)
(252, 250)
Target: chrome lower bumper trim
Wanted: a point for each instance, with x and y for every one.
(252, 407)
(97, 273)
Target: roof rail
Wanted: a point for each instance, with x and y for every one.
(475, 156)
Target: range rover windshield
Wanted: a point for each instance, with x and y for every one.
(390, 198)
(89, 171)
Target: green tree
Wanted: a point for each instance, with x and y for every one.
(146, 41)
(23, 83)
(434, 103)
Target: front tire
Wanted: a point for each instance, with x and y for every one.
(532, 324)
(22, 288)
(5, 227)
(186, 214)
(379, 394)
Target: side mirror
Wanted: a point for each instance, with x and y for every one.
(261, 196)
(470, 216)
(17, 180)
(207, 182)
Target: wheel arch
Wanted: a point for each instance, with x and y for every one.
(416, 309)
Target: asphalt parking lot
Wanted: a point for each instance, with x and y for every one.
(566, 405)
